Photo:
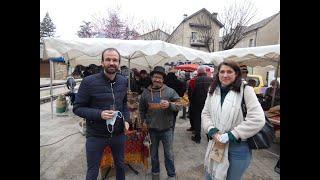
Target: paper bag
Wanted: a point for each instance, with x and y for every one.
(217, 151)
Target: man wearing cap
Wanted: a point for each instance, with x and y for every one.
(159, 119)
(244, 72)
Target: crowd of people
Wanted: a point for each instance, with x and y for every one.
(214, 108)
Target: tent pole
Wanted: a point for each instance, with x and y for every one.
(51, 95)
(129, 79)
(276, 76)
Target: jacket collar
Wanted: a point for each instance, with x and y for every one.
(160, 89)
(103, 75)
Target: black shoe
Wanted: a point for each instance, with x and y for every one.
(182, 117)
(190, 129)
(196, 139)
(277, 170)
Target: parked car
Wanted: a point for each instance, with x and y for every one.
(259, 87)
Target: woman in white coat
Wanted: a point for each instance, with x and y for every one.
(223, 120)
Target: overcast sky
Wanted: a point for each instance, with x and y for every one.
(68, 15)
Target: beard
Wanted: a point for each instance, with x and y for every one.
(156, 85)
(110, 69)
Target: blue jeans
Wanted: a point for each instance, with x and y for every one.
(167, 140)
(175, 114)
(239, 156)
(94, 151)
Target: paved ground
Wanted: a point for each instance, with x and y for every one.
(66, 160)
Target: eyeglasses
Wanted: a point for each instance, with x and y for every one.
(157, 77)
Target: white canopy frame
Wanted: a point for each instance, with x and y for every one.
(140, 54)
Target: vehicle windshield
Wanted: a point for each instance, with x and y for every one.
(253, 81)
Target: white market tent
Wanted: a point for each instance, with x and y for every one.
(140, 54)
(251, 56)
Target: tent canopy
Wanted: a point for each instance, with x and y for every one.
(252, 56)
(141, 53)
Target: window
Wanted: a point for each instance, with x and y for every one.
(251, 43)
(193, 35)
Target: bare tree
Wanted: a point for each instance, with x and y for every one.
(151, 29)
(112, 26)
(235, 18)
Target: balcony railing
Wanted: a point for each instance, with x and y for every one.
(197, 42)
(199, 25)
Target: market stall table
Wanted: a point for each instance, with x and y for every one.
(135, 152)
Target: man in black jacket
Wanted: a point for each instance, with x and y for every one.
(198, 99)
(99, 98)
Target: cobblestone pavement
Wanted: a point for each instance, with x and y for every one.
(66, 160)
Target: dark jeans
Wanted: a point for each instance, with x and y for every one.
(94, 150)
(184, 112)
(166, 138)
(190, 114)
(197, 123)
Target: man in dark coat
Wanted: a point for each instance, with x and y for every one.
(101, 98)
(198, 98)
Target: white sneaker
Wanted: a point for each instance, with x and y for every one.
(82, 127)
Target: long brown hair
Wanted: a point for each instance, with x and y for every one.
(237, 82)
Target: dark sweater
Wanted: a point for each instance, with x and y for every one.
(224, 91)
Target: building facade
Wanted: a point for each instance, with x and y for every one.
(262, 33)
(198, 31)
(154, 35)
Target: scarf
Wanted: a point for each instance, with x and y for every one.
(224, 118)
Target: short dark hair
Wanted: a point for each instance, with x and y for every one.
(143, 71)
(275, 82)
(111, 49)
(237, 82)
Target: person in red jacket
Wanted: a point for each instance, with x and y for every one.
(190, 90)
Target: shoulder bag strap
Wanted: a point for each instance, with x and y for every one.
(243, 104)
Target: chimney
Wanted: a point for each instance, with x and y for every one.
(214, 15)
(185, 16)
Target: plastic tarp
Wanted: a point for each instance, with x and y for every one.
(57, 59)
(187, 67)
(251, 56)
(143, 54)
